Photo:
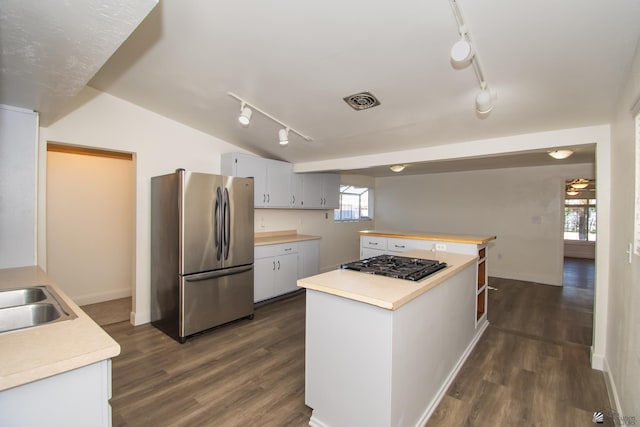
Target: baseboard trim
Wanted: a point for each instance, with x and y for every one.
(97, 297)
(597, 361)
(452, 376)
(612, 390)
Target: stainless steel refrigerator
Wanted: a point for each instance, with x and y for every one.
(201, 251)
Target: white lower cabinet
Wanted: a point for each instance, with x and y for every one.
(79, 397)
(278, 267)
(275, 270)
(309, 258)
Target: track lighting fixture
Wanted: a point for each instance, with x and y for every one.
(560, 154)
(283, 136)
(245, 115)
(572, 192)
(464, 52)
(245, 118)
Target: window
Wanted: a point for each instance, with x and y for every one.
(354, 204)
(580, 219)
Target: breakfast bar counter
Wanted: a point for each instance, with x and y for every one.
(382, 351)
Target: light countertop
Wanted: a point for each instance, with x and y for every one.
(387, 292)
(31, 354)
(442, 237)
(284, 236)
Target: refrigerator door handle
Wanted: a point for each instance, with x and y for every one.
(217, 223)
(226, 223)
(217, 273)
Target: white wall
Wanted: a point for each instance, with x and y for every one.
(622, 357)
(90, 225)
(160, 145)
(18, 142)
(523, 207)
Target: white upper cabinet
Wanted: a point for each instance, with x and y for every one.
(276, 186)
(296, 191)
(320, 191)
(272, 178)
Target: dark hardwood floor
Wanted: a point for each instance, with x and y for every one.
(531, 367)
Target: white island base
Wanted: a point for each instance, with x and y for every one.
(371, 366)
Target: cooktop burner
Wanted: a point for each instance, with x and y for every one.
(399, 267)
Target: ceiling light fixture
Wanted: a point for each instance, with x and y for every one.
(283, 136)
(560, 154)
(397, 168)
(463, 52)
(246, 107)
(572, 192)
(579, 183)
(245, 115)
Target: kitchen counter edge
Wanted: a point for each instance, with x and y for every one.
(442, 237)
(274, 238)
(39, 352)
(386, 292)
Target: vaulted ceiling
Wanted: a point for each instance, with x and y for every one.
(554, 65)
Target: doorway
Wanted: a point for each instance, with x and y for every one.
(90, 222)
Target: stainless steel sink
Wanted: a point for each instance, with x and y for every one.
(12, 297)
(32, 306)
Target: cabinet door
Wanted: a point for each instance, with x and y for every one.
(286, 273)
(264, 278)
(312, 195)
(295, 200)
(256, 167)
(368, 252)
(331, 191)
(278, 184)
(309, 258)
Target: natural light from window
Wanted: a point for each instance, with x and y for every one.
(580, 219)
(354, 204)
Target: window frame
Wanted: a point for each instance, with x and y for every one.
(357, 191)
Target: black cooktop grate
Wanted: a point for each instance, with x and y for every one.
(396, 266)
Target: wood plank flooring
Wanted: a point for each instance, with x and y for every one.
(531, 368)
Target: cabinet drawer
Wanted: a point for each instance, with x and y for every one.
(266, 251)
(373, 242)
(400, 245)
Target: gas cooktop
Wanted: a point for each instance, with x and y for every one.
(399, 267)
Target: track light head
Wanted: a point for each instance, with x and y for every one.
(461, 52)
(484, 101)
(283, 136)
(245, 115)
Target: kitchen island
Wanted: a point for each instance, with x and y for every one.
(57, 373)
(382, 351)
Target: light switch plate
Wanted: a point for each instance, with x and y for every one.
(441, 247)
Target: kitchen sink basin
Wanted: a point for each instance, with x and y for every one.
(32, 306)
(12, 297)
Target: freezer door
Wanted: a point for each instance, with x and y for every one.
(201, 222)
(214, 298)
(237, 221)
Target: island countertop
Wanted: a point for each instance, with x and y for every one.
(31, 354)
(386, 292)
(442, 237)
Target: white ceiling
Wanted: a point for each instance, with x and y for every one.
(554, 65)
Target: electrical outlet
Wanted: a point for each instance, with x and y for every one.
(441, 247)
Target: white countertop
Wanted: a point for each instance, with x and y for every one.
(284, 236)
(386, 292)
(31, 354)
(442, 237)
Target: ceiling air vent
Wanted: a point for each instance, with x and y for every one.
(361, 101)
